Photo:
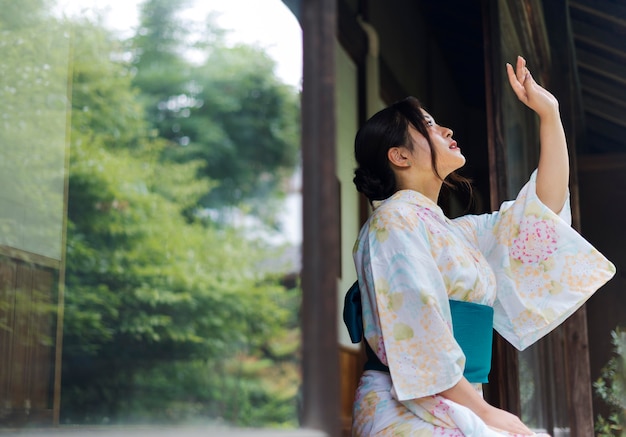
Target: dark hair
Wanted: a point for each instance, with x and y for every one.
(386, 129)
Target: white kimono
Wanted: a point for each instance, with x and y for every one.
(524, 260)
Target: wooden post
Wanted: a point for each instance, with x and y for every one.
(566, 87)
(503, 388)
(320, 251)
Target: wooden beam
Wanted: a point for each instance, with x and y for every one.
(608, 116)
(584, 40)
(602, 73)
(599, 94)
(29, 257)
(599, 15)
(320, 254)
(497, 156)
(566, 87)
(351, 35)
(589, 81)
(503, 388)
(604, 130)
(603, 162)
(608, 36)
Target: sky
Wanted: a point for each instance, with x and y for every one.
(266, 23)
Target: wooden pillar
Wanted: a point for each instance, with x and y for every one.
(320, 252)
(565, 85)
(503, 388)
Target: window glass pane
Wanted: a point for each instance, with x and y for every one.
(149, 210)
(543, 388)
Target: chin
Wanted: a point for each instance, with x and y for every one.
(452, 166)
(461, 163)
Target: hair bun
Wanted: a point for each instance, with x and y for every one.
(371, 185)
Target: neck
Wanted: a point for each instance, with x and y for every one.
(429, 186)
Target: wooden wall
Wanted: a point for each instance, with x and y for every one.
(27, 315)
(602, 209)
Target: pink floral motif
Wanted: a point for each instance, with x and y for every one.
(444, 425)
(380, 351)
(441, 409)
(447, 432)
(426, 216)
(536, 241)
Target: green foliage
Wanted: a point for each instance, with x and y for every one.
(33, 118)
(160, 70)
(105, 107)
(166, 319)
(611, 388)
(161, 35)
(23, 14)
(230, 112)
(246, 130)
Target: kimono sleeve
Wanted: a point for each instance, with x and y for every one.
(406, 314)
(544, 269)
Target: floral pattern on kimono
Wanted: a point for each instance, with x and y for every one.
(524, 260)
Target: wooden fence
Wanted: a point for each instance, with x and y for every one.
(27, 326)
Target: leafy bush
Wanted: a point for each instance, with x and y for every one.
(611, 387)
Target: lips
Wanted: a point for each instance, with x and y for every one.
(453, 146)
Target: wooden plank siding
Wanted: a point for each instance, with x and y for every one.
(26, 342)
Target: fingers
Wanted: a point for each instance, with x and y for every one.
(524, 430)
(516, 85)
(520, 73)
(527, 76)
(519, 428)
(521, 80)
(521, 70)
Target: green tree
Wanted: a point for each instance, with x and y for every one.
(245, 130)
(33, 116)
(155, 302)
(231, 112)
(160, 69)
(26, 13)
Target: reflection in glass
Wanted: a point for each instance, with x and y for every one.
(181, 299)
(34, 110)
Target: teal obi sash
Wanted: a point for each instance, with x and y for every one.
(472, 324)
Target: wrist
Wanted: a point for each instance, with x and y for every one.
(483, 409)
(550, 115)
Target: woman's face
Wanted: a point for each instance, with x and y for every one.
(449, 156)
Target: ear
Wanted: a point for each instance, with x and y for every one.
(399, 156)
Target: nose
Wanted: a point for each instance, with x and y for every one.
(447, 132)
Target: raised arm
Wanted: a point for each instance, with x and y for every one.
(553, 167)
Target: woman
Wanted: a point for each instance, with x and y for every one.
(521, 270)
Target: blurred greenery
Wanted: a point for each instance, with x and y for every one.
(169, 316)
(611, 388)
(229, 111)
(33, 114)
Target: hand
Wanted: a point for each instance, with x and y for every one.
(505, 421)
(529, 92)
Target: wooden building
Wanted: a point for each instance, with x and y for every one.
(360, 55)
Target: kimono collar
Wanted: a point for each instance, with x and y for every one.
(410, 196)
